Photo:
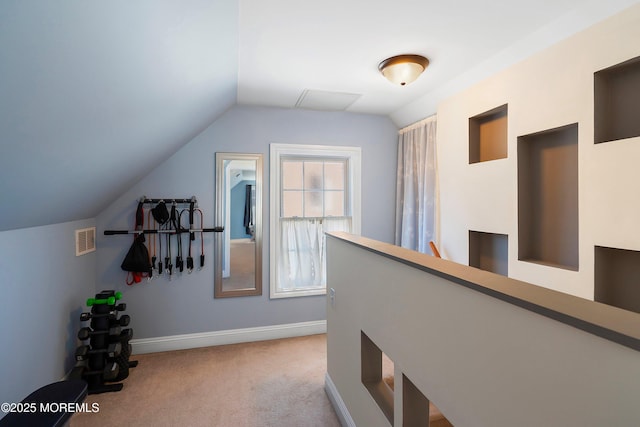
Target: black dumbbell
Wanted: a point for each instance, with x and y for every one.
(121, 321)
(126, 334)
(87, 316)
(108, 372)
(86, 333)
(84, 351)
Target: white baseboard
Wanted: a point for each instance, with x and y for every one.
(233, 336)
(338, 404)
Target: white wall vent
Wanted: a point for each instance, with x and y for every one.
(85, 240)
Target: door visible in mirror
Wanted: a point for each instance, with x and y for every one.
(238, 269)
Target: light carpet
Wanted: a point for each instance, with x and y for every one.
(269, 383)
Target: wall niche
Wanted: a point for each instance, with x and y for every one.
(616, 277)
(548, 197)
(489, 252)
(371, 363)
(616, 101)
(488, 135)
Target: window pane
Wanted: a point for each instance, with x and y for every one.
(313, 175)
(334, 176)
(291, 175)
(334, 203)
(312, 203)
(291, 204)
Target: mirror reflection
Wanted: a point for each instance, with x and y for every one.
(238, 270)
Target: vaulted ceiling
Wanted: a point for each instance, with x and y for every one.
(95, 94)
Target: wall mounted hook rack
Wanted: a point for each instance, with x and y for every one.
(200, 230)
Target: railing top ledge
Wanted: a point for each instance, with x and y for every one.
(608, 322)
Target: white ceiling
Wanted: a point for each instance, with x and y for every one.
(288, 46)
(95, 94)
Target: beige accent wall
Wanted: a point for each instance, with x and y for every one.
(482, 361)
(551, 89)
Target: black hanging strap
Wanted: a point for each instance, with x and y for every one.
(201, 238)
(178, 226)
(152, 246)
(167, 258)
(139, 216)
(189, 257)
(192, 236)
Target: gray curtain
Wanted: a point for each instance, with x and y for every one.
(416, 186)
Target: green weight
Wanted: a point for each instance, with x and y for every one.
(108, 301)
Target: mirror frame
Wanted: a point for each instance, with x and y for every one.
(219, 238)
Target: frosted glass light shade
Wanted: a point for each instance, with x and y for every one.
(403, 69)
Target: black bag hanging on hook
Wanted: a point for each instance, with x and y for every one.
(136, 261)
(160, 213)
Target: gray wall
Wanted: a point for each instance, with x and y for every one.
(185, 304)
(96, 94)
(44, 288)
(482, 361)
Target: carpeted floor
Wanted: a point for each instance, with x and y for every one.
(242, 265)
(269, 383)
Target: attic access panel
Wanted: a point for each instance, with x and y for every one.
(616, 101)
(548, 197)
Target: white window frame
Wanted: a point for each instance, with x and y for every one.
(353, 156)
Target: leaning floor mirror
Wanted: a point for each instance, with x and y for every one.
(238, 250)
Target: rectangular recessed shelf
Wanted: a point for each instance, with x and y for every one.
(616, 101)
(488, 135)
(417, 410)
(378, 376)
(617, 278)
(371, 358)
(548, 197)
(489, 251)
(415, 406)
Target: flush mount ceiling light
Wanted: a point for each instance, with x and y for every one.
(403, 69)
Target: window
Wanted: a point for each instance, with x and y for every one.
(314, 190)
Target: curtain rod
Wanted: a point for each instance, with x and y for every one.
(429, 119)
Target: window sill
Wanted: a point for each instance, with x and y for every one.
(297, 293)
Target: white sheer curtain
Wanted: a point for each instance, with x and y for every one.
(302, 262)
(416, 186)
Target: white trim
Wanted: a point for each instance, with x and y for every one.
(338, 404)
(232, 336)
(353, 154)
(297, 293)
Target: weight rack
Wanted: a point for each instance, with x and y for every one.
(106, 356)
